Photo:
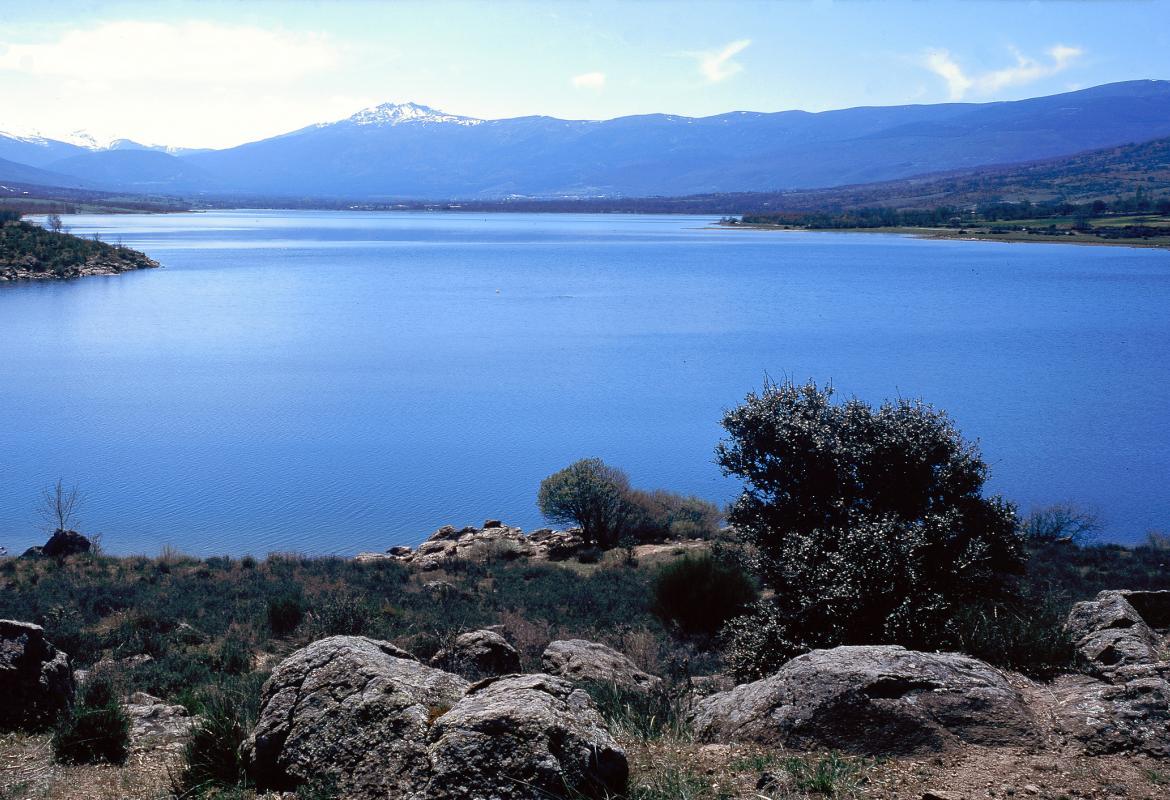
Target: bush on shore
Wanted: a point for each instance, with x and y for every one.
(96, 730)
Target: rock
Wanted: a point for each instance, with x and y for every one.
(349, 710)
(36, 680)
(589, 662)
(34, 552)
(478, 654)
(1125, 715)
(872, 700)
(1152, 605)
(492, 523)
(155, 725)
(1109, 633)
(523, 737)
(934, 794)
(400, 551)
(66, 543)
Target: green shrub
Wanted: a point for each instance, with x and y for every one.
(700, 594)
(342, 614)
(658, 515)
(285, 613)
(96, 730)
(588, 493)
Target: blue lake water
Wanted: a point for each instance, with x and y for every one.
(329, 382)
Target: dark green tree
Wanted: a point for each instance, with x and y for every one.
(869, 523)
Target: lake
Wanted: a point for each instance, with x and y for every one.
(330, 382)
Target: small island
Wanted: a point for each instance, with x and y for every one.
(30, 252)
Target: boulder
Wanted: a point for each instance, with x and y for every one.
(350, 711)
(1110, 633)
(478, 654)
(1124, 716)
(492, 523)
(36, 680)
(1152, 605)
(871, 700)
(583, 661)
(155, 725)
(523, 737)
(66, 543)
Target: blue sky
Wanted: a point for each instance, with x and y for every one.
(217, 74)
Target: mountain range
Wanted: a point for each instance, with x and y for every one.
(410, 151)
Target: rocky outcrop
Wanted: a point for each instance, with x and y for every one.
(873, 700)
(494, 540)
(351, 711)
(368, 719)
(36, 680)
(1130, 715)
(583, 661)
(66, 543)
(478, 654)
(522, 737)
(1110, 633)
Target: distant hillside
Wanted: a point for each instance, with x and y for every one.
(407, 152)
(29, 252)
(395, 152)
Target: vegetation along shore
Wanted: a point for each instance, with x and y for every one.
(30, 252)
(865, 623)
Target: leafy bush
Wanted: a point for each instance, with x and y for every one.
(700, 594)
(342, 614)
(869, 523)
(96, 730)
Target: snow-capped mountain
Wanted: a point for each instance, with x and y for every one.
(412, 151)
(390, 114)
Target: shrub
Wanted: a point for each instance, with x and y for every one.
(343, 614)
(285, 613)
(96, 730)
(700, 594)
(869, 523)
(659, 515)
(588, 493)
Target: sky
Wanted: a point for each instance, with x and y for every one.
(217, 74)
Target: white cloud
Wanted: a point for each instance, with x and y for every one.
(199, 52)
(183, 83)
(1025, 70)
(589, 80)
(716, 65)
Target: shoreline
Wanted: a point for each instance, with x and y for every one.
(1014, 237)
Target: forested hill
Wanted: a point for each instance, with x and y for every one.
(30, 252)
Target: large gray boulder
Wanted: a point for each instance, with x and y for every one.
(583, 661)
(371, 722)
(478, 654)
(1130, 714)
(872, 700)
(1110, 633)
(523, 737)
(350, 711)
(36, 680)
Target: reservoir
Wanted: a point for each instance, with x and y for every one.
(331, 382)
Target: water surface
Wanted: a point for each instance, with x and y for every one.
(330, 382)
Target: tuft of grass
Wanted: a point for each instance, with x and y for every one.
(212, 762)
(831, 774)
(642, 715)
(96, 730)
(673, 781)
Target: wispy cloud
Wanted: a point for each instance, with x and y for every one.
(199, 52)
(716, 65)
(589, 80)
(1025, 70)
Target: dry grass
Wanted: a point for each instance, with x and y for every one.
(28, 772)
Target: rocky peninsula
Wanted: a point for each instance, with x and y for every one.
(31, 253)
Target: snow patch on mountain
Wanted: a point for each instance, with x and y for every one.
(390, 114)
